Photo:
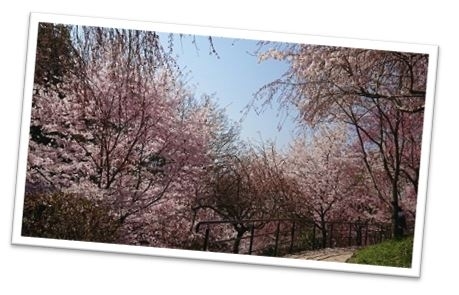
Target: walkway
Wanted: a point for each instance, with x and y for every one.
(328, 254)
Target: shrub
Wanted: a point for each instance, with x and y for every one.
(397, 252)
(67, 217)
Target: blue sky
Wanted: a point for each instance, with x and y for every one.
(233, 79)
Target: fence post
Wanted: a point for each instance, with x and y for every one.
(252, 231)
(206, 238)
(277, 238)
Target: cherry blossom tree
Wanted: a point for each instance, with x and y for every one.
(114, 125)
(328, 176)
(246, 186)
(380, 94)
(229, 194)
(117, 130)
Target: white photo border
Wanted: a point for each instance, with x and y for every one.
(431, 50)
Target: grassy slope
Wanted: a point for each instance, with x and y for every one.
(396, 253)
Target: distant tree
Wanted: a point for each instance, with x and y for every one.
(246, 186)
(329, 177)
(229, 195)
(55, 60)
(271, 173)
(55, 55)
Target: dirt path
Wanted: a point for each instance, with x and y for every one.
(334, 254)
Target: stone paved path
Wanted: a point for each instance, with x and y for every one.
(329, 254)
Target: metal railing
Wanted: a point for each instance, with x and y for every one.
(278, 237)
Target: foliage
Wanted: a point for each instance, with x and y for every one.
(55, 55)
(68, 217)
(397, 253)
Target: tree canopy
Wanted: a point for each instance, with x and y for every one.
(117, 134)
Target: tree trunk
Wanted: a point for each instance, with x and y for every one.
(324, 233)
(396, 226)
(237, 241)
(397, 229)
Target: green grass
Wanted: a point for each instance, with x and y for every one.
(397, 252)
